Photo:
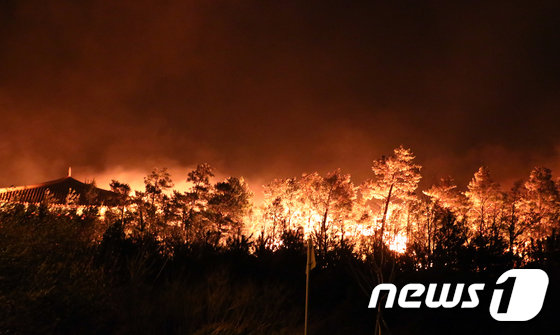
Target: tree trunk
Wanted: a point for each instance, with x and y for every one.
(512, 230)
(384, 218)
(324, 224)
(324, 232)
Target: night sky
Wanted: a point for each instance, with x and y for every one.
(270, 89)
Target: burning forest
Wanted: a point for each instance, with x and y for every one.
(383, 230)
(336, 214)
(279, 167)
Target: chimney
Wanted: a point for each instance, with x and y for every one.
(69, 171)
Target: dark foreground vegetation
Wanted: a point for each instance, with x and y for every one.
(74, 272)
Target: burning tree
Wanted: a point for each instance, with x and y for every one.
(321, 207)
(331, 202)
(443, 195)
(540, 202)
(516, 225)
(229, 204)
(446, 195)
(157, 183)
(484, 200)
(280, 208)
(395, 179)
(194, 209)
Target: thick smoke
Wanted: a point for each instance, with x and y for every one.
(275, 89)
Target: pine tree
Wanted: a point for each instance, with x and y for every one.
(195, 215)
(484, 199)
(330, 200)
(230, 204)
(540, 203)
(395, 179)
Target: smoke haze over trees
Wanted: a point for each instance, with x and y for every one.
(269, 90)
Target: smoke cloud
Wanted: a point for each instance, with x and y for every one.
(274, 89)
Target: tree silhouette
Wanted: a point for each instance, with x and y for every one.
(395, 179)
(484, 197)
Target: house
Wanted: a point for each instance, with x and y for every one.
(61, 191)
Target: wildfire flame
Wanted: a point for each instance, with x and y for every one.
(398, 243)
(309, 223)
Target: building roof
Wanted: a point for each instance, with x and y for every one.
(58, 190)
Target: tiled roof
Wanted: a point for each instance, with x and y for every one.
(58, 191)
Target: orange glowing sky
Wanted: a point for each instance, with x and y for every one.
(274, 89)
